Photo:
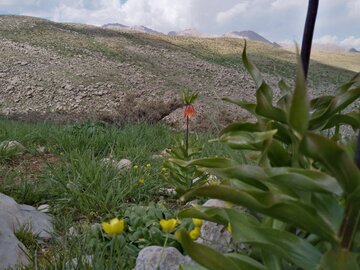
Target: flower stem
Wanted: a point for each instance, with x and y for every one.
(162, 252)
(187, 137)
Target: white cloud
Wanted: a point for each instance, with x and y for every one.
(276, 19)
(327, 39)
(351, 42)
(286, 4)
(229, 14)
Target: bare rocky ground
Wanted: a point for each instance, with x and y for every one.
(62, 72)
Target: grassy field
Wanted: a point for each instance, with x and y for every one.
(62, 166)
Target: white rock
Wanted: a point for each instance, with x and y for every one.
(215, 235)
(167, 191)
(44, 208)
(73, 264)
(124, 164)
(159, 258)
(14, 217)
(12, 146)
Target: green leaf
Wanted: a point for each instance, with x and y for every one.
(274, 204)
(299, 110)
(247, 140)
(351, 119)
(241, 126)
(304, 180)
(205, 255)
(343, 88)
(335, 159)
(277, 242)
(340, 260)
(246, 229)
(278, 155)
(246, 262)
(337, 104)
(284, 88)
(264, 104)
(248, 106)
(251, 68)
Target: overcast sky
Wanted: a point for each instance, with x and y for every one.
(277, 20)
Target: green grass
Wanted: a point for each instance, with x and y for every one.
(81, 189)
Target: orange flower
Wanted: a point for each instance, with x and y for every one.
(189, 111)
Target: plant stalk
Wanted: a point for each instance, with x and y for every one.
(187, 137)
(308, 35)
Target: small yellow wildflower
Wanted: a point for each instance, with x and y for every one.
(229, 228)
(163, 169)
(148, 165)
(195, 233)
(197, 222)
(136, 167)
(114, 227)
(167, 225)
(141, 181)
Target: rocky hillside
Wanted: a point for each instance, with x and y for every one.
(70, 72)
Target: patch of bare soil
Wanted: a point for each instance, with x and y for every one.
(28, 166)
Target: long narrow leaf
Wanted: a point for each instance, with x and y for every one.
(336, 160)
(272, 204)
(251, 68)
(205, 255)
(299, 110)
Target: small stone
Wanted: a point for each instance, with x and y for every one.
(124, 164)
(73, 264)
(12, 146)
(44, 208)
(95, 227)
(72, 231)
(155, 257)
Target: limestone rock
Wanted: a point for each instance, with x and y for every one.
(215, 235)
(14, 217)
(12, 146)
(124, 164)
(154, 257)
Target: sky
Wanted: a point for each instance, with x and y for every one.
(277, 20)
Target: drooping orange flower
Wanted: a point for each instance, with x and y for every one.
(189, 111)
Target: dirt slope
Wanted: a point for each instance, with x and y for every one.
(70, 72)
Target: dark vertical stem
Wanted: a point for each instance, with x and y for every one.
(308, 34)
(357, 151)
(187, 136)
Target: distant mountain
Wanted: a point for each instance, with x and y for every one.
(137, 28)
(115, 26)
(251, 35)
(189, 33)
(353, 50)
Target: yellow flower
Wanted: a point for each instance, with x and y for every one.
(195, 233)
(229, 228)
(114, 227)
(141, 181)
(136, 167)
(148, 165)
(197, 222)
(167, 225)
(163, 169)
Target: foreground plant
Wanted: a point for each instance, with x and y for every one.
(181, 178)
(305, 186)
